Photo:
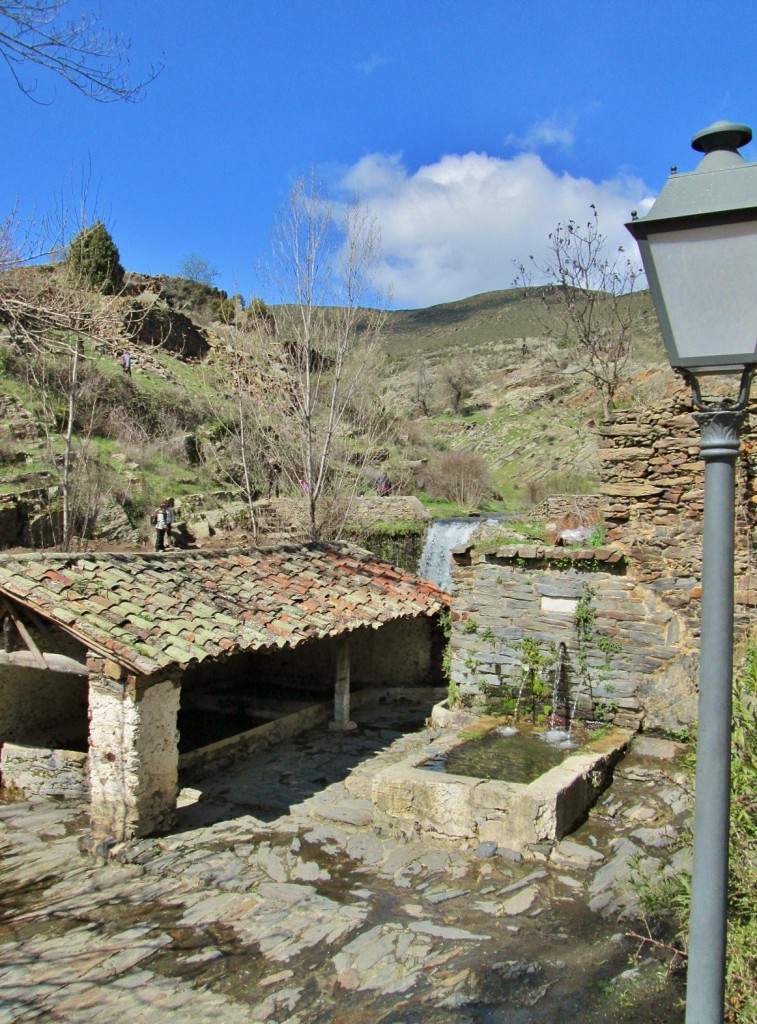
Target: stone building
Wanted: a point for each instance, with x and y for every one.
(116, 667)
(611, 633)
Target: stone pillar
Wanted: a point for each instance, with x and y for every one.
(342, 721)
(133, 751)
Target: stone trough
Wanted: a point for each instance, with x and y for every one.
(513, 815)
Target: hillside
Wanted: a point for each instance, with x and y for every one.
(535, 427)
(528, 430)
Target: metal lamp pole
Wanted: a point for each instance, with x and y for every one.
(698, 243)
(705, 989)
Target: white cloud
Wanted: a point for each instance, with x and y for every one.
(456, 227)
(551, 131)
(372, 63)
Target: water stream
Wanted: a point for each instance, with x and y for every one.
(436, 558)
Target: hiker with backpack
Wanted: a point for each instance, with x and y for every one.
(159, 519)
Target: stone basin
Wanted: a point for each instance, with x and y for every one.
(514, 815)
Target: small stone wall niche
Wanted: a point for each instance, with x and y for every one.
(556, 634)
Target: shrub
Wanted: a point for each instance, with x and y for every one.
(94, 260)
(461, 477)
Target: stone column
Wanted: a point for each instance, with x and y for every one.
(133, 751)
(342, 721)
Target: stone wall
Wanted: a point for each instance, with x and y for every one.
(615, 671)
(652, 497)
(42, 772)
(584, 507)
(41, 707)
(401, 652)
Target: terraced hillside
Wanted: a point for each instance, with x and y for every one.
(526, 428)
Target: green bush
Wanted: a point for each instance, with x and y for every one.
(94, 260)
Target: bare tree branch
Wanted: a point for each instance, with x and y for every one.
(324, 347)
(81, 51)
(590, 305)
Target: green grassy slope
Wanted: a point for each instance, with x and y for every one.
(534, 429)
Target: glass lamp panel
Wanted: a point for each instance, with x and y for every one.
(708, 279)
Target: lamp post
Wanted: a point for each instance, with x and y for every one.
(699, 247)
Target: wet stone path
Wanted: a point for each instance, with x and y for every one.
(277, 900)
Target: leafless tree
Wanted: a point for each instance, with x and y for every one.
(423, 386)
(590, 305)
(198, 268)
(58, 332)
(457, 379)
(322, 352)
(235, 457)
(41, 34)
(461, 476)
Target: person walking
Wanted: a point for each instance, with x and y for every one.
(273, 471)
(159, 518)
(168, 503)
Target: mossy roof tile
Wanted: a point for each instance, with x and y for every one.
(150, 611)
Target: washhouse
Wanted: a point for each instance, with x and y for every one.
(117, 671)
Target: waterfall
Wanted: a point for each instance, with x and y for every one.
(442, 536)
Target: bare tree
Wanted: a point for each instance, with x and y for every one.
(590, 305)
(198, 268)
(58, 331)
(39, 33)
(235, 458)
(457, 380)
(461, 476)
(321, 417)
(423, 386)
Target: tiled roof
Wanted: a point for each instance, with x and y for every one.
(149, 611)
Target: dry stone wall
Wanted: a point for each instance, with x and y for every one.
(653, 498)
(41, 772)
(42, 707)
(642, 657)
(509, 597)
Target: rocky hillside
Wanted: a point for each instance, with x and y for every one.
(529, 429)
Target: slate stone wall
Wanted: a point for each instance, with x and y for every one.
(586, 507)
(505, 596)
(42, 772)
(401, 652)
(652, 495)
(42, 708)
(653, 499)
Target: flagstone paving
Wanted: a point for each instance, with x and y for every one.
(278, 901)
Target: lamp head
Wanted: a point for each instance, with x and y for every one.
(698, 244)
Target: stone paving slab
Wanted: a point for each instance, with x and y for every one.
(307, 919)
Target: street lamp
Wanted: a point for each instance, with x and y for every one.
(699, 247)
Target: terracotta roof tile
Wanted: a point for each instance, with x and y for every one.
(150, 611)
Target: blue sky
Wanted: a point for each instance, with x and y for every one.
(469, 128)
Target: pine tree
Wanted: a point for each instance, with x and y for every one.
(94, 260)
